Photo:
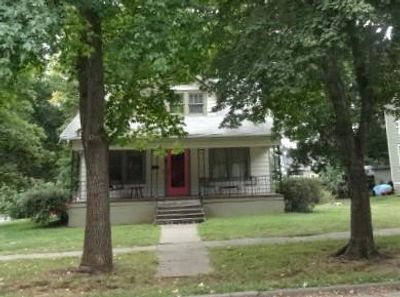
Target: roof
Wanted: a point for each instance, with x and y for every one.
(72, 131)
(197, 126)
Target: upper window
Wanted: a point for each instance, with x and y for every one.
(189, 103)
(178, 106)
(196, 103)
(227, 163)
(126, 167)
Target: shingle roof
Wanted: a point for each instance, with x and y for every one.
(196, 126)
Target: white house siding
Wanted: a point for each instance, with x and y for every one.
(211, 102)
(259, 163)
(82, 178)
(393, 138)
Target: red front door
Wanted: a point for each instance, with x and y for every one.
(177, 172)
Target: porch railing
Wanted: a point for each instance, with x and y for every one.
(250, 186)
(208, 187)
(133, 192)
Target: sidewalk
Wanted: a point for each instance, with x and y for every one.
(363, 290)
(181, 252)
(209, 244)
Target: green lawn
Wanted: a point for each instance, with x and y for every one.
(235, 269)
(325, 218)
(24, 237)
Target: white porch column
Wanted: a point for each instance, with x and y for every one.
(82, 178)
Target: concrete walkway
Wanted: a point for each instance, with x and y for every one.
(165, 242)
(363, 290)
(293, 239)
(181, 252)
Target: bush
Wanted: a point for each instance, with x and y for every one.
(325, 196)
(335, 182)
(44, 202)
(300, 194)
(10, 203)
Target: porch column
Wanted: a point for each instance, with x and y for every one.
(82, 179)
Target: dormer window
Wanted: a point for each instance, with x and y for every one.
(189, 104)
(178, 106)
(196, 103)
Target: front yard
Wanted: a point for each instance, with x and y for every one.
(24, 237)
(326, 218)
(235, 269)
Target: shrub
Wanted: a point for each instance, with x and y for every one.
(325, 196)
(300, 194)
(334, 180)
(10, 203)
(44, 202)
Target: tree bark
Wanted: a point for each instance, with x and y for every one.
(351, 146)
(97, 249)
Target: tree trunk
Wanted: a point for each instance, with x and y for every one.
(361, 243)
(97, 249)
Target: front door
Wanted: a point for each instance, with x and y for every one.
(177, 171)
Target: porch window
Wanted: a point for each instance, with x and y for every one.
(228, 163)
(196, 103)
(126, 167)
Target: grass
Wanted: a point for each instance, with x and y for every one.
(235, 269)
(22, 236)
(325, 218)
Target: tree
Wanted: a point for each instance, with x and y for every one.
(311, 63)
(131, 51)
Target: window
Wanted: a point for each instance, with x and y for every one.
(126, 167)
(227, 163)
(196, 103)
(178, 106)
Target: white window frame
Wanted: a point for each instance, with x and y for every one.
(186, 103)
(202, 103)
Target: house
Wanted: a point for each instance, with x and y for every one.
(219, 171)
(393, 139)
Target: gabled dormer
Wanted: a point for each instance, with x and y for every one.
(193, 101)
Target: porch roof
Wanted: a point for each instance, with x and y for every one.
(199, 126)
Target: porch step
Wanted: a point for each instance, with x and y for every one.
(179, 221)
(182, 202)
(179, 212)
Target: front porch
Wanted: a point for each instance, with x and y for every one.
(203, 173)
(229, 180)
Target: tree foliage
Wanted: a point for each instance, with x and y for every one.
(323, 68)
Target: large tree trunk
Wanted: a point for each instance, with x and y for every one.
(351, 146)
(97, 249)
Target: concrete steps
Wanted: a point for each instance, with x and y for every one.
(179, 212)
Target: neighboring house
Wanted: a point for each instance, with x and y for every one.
(225, 172)
(393, 139)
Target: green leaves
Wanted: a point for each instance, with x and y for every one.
(270, 58)
(26, 33)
